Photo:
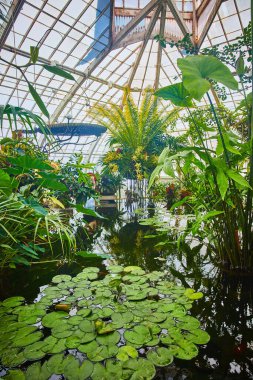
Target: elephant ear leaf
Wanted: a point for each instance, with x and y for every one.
(177, 94)
(198, 69)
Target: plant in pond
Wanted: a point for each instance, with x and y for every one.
(122, 325)
(220, 181)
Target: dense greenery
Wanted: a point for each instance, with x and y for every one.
(137, 135)
(124, 325)
(34, 192)
(219, 181)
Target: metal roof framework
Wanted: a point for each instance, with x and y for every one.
(130, 57)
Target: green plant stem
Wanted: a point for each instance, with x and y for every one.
(219, 129)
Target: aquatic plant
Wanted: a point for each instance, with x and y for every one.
(121, 326)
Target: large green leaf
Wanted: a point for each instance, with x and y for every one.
(53, 184)
(177, 94)
(87, 211)
(38, 100)
(5, 183)
(28, 162)
(222, 182)
(58, 71)
(197, 70)
(237, 177)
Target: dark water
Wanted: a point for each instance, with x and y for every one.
(226, 311)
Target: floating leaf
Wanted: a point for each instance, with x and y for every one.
(126, 352)
(160, 356)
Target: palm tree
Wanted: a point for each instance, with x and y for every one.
(134, 128)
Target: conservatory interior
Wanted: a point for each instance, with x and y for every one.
(126, 189)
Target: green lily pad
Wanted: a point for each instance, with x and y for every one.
(126, 352)
(84, 312)
(186, 350)
(109, 339)
(61, 278)
(115, 268)
(102, 353)
(137, 369)
(88, 347)
(13, 302)
(86, 326)
(99, 372)
(56, 364)
(71, 368)
(28, 339)
(15, 374)
(34, 351)
(160, 356)
(140, 335)
(75, 320)
(120, 319)
(85, 370)
(13, 361)
(51, 319)
(198, 336)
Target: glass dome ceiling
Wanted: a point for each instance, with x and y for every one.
(106, 45)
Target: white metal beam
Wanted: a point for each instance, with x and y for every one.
(207, 24)
(178, 17)
(160, 49)
(144, 44)
(11, 17)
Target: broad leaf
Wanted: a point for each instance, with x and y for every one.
(87, 211)
(34, 53)
(177, 94)
(58, 71)
(28, 162)
(222, 182)
(197, 70)
(38, 100)
(235, 176)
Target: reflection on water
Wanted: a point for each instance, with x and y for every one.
(225, 311)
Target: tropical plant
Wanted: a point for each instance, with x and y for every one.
(40, 190)
(139, 134)
(127, 324)
(21, 120)
(27, 228)
(220, 181)
(77, 177)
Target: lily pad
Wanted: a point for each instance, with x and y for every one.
(109, 339)
(102, 353)
(61, 278)
(126, 352)
(160, 356)
(13, 302)
(85, 370)
(51, 319)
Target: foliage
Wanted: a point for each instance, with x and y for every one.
(77, 178)
(109, 182)
(219, 181)
(18, 117)
(139, 135)
(34, 192)
(232, 54)
(26, 226)
(109, 320)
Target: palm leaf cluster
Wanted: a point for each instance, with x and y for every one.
(136, 130)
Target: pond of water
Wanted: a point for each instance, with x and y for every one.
(225, 312)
